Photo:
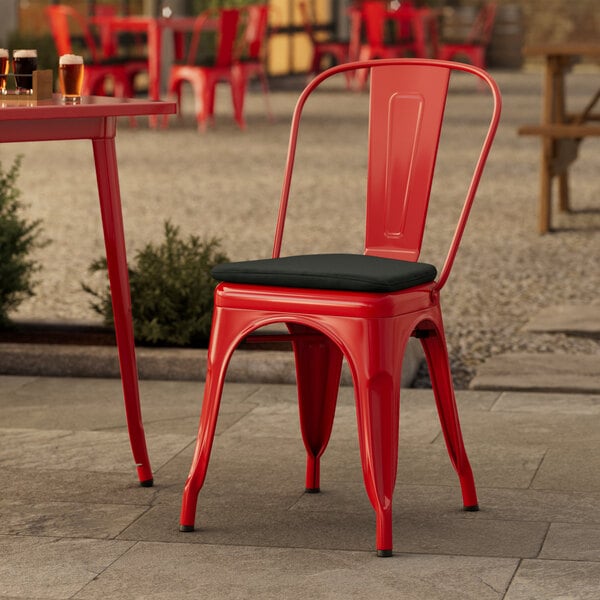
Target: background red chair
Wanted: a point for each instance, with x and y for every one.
(363, 307)
(204, 72)
(474, 47)
(251, 53)
(67, 25)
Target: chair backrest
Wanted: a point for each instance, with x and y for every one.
(65, 23)
(255, 19)
(228, 19)
(406, 109)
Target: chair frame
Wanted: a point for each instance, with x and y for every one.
(370, 330)
(204, 78)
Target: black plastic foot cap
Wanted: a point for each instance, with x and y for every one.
(384, 553)
(186, 528)
(473, 508)
(147, 483)
(312, 490)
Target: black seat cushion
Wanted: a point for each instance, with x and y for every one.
(350, 272)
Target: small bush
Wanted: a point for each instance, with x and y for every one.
(171, 290)
(17, 239)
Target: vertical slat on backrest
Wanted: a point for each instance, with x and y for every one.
(227, 34)
(406, 113)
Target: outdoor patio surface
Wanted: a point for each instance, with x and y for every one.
(74, 523)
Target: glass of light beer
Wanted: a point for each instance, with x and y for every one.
(24, 64)
(4, 63)
(70, 77)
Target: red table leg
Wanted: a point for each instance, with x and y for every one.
(114, 240)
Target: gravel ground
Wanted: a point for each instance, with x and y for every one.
(226, 183)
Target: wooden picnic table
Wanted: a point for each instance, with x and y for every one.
(561, 132)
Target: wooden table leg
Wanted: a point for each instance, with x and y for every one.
(545, 203)
(114, 240)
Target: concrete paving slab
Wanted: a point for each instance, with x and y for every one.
(539, 429)
(48, 567)
(493, 465)
(568, 373)
(573, 467)
(535, 464)
(570, 541)
(250, 525)
(67, 519)
(555, 579)
(172, 571)
(80, 450)
(548, 404)
(572, 319)
(74, 486)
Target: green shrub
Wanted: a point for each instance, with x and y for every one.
(171, 290)
(17, 239)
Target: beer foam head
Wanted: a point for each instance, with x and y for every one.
(70, 59)
(25, 53)
(3, 53)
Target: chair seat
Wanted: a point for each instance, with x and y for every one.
(350, 272)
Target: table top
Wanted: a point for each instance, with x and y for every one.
(564, 49)
(90, 106)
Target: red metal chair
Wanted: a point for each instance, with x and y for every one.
(203, 74)
(250, 56)
(474, 47)
(65, 24)
(363, 307)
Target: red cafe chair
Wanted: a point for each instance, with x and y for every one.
(65, 25)
(203, 73)
(250, 56)
(474, 47)
(361, 307)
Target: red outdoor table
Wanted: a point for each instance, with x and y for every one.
(95, 119)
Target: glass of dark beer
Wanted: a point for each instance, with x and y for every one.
(4, 62)
(24, 64)
(70, 77)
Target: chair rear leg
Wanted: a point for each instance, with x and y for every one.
(436, 353)
(266, 93)
(318, 369)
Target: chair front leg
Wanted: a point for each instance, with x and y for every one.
(222, 345)
(377, 388)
